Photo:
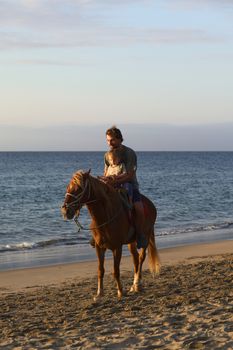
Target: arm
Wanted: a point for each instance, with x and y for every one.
(106, 164)
(117, 179)
(105, 177)
(125, 177)
(129, 167)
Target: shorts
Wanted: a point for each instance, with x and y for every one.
(129, 188)
(136, 195)
(132, 191)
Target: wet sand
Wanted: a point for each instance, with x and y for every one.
(188, 306)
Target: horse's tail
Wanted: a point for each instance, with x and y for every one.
(153, 255)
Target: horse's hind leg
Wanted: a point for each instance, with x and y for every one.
(142, 257)
(100, 254)
(117, 253)
(133, 250)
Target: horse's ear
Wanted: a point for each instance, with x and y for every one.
(87, 173)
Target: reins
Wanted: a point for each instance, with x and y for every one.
(80, 227)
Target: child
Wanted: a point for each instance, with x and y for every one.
(116, 168)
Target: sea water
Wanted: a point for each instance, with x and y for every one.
(193, 193)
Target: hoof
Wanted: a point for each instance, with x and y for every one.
(98, 297)
(131, 289)
(135, 288)
(119, 294)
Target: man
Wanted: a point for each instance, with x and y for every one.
(114, 139)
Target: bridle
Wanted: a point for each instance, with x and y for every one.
(78, 200)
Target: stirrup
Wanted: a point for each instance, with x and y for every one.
(92, 242)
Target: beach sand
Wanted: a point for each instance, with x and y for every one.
(188, 306)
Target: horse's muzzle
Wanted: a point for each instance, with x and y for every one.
(67, 212)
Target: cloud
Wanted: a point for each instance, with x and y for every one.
(104, 37)
(201, 3)
(29, 24)
(153, 137)
(222, 8)
(50, 62)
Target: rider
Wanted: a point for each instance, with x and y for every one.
(114, 139)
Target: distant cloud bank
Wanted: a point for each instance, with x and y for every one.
(141, 137)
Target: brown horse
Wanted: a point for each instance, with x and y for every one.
(111, 225)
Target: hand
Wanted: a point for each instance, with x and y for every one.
(110, 180)
(102, 178)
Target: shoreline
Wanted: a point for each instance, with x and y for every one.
(22, 279)
(66, 254)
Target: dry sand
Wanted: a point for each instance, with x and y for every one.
(188, 306)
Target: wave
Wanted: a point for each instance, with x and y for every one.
(196, 228)
(22, 246)
(26, 246)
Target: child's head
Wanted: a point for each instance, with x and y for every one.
(114, 157)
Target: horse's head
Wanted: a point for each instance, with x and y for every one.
(77, 194)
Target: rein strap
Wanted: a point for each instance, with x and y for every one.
(80, 227)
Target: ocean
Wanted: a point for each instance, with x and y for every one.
(193, 193)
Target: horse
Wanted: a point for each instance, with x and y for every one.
(111, 226)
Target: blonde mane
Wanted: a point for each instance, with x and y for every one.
(99, 190)
(77, 179)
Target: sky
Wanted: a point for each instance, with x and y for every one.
(162, 71)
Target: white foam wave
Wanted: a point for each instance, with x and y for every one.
(196, 228)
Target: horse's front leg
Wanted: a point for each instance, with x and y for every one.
(100, 252)
(117, 253)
